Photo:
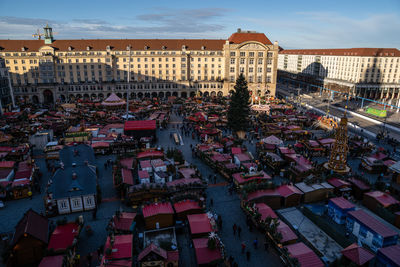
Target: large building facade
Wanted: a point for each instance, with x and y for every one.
(6, 99)
(372, 73)
(46, 71)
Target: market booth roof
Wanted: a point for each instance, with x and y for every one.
(52, 261)
(140, 125)
(204, 255)
(199, 223)
(305, 256)
(358, 255)
(113, 100)
(157, 208)
(63, 236)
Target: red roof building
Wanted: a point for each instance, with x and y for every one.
(268, 196)
(265, 211)
(204, 255)
(7, 164)
(158, 215)
(389, 256)
(199, 224)
(140, 125)
(187, 207)
(368, 52)
(52, 261)
(241, 37)
(150, 154)
(357, 254)
(305, 256)
(288, 236)
(127, 177)
(124, 222)
(342, 203)
(118, 254)
(64, 236)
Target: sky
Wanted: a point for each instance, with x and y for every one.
(293, 23)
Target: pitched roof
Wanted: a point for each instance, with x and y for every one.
(199, 223)
(52, 261)
(32, 224)
(305, 256)
(204, 255)
(122, 248)
(358, 255)
(63, 236)
(241, 37)
(286, 232)
(157, 208)
(265, 211)
(152, 248)
(288, 190)
(186, 205)
(368, 52)
(140, 125)
(384, 199)
(342, 203)
(125, 221)
(392, 253)
(115, 44)
(372, 223)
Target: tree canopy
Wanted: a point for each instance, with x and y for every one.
(239, 109)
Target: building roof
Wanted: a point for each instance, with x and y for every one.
(305, 256)
(157, 208)
(204, 255)
(241, 37)
(262, 193)
(152, 249)
(52, 261)
(265, 211)
(114, 44)
(127, 177)
(305, 188)
(392, 253)
(288, 190)
(63, 236)
(149, 154)
(358, 255)
(372, 223)
(186, 205)
(199, 223)
(34, 225)
(384, 199)
(360, 184)
(336, 182)
(184, 181)
(342, 203)
(286, 232)
(122, 248)
(143, 174)
(366, 52)
(78, 176)
(124, 221)
(140, 125)
(7, 164)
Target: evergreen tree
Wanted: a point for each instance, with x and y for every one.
(239, 109)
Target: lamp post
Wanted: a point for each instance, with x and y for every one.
(129, 79)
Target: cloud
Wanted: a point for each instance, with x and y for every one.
(164, 23)
(333, 30)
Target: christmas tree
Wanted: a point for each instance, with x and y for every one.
(239, 109)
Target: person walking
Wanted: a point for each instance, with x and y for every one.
(239, 231)
(234, 228)
(255, 243)
(248, 255)
(243, 247)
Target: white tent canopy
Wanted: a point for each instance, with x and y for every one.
(272, 140)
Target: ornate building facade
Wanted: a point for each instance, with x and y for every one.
(372, 73)
(46, 71)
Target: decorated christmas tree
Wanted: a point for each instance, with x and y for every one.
(239, 109)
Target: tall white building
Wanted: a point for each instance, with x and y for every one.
(366, 72)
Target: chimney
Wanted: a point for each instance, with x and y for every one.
(239, 30)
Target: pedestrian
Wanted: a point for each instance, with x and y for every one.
(248, 255)
(243, 247)
(234, 228)
(239, 231)
(255, 243)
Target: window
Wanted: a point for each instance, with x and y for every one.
(242, 54)
(270, 54)
(232, 69)
(251, 61)
(251, 54)
(233, 54)
(260, 54)
(242, 61)
(259, 70)
(250, 69)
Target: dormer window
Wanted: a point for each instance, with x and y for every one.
(183, 47)
(164, 47)
(70, 48)
(128, 47)
(203, 47)
(23, 49)
(108, 47)
(146, 47)
(88, 48)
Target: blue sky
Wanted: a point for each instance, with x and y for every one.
(293, 23)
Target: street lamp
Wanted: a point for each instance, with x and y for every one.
(129, 79)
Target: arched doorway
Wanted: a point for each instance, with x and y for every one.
(119, 95)
(133, 95)
(48, 97)
(220, 94)
(154, 94)
(78, 96)
(93, 96)
(206, 94)
(184, 94)
(175, 93)
(101, 96)
(35, 99)
(140, 95)
(161, 94)
(147, 95)
(213, 94)
(192, 94)
(168, 94)
(62, 98)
